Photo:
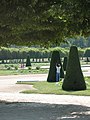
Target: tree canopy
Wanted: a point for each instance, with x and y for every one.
(27, 22)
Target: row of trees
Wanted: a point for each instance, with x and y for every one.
(79, 41)
(36, 53)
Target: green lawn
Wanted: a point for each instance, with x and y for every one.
(51, 88)
(14, 69)
(23, 72)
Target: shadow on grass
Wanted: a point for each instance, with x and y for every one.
(39, 111)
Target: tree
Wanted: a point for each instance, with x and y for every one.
(28, 63)
(74, 79)
(52, 71)
(27, 22)
(88, 41)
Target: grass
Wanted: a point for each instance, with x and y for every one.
(23, 72)
(44, 87)
(9, 69)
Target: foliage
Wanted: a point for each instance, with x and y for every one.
(16, 67)
(65, 63)
(87, 53)
(52, 71)
(21, 53)
(37, 68)
(28, 63)
(26, 22)
(74, 79)
(79, 41)
(81, 52)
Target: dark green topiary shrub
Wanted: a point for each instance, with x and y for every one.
(87, 60)
(74, 79)
(52, 71)
(65, 63)
(61, 72)
(28, 63)
(37, 68)
(87, 53)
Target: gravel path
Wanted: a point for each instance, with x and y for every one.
(39, 111)
(10, 91)
(8, 83)
(18, 106)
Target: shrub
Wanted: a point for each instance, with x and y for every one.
(87, 60)
(37, 68)
(65, 63)
(28, 63)
(2, 61)
(9, 68)
(12, 65)
(87, 53)
(6, 66)
(52, 71)
(16, 67)
(74, 79)
(29, 68)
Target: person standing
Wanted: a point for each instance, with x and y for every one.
(58, 67)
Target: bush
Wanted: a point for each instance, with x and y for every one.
(87, 53)
(12, 65)
(2, 61)
(16, 67)
(9, 68)
(65, 63)
(74, 79)
(52, 71)
(28, 63)
(37, 68)
(29, 68)
(6, 66)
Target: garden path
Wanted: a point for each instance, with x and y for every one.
(9, 91)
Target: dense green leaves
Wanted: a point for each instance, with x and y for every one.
(52, 71)
(28, 63)
(87, 53)
(74, 79)
(26, 22)
(21, 53)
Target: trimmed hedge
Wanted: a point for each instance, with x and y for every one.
(87, 53)
(52, 71)
(74, 79)
(37, 53)
(65, 63)
(28, 63)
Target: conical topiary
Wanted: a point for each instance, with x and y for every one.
(65, 63)
(52, 71)
(28, 63)
(61, 72)
(74, 79)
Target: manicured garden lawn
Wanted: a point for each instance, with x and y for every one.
(52, 88)
(14, 69)
(22, 72)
